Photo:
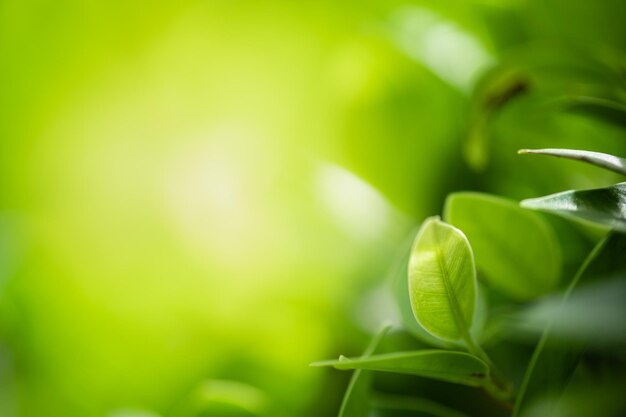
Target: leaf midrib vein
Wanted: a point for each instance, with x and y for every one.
(454, 304)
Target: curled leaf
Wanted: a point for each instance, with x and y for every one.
(602, 160)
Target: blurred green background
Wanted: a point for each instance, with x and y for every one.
(199, 198)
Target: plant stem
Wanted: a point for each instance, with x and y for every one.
(497, 385)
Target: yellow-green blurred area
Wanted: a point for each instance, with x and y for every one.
(197, 196)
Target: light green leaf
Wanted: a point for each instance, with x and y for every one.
(442, 280)
(444, 365)
(606, 206)
(602, 160)
(400, 291)
(554, 360)
(516, 250)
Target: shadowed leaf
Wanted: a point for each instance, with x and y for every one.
(421, 405)
(555, 360)
(607, 110)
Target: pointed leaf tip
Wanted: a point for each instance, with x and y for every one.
(605, 206)
(601, 160)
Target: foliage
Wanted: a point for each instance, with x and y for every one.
(516, 250)
(197, 198)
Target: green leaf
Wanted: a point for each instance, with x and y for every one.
(397, 277)
(421, 405)
(605, 206)
(516, 250)
(607, 110)
(442, 280)
(593, 314)
(602, 160)
(356, 401)
(450, 366)
(495, 91)
(554, 359)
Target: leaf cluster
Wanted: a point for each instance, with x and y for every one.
(491, 250)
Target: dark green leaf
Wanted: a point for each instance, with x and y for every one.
(607, 110)
(554, 360)
(499, 87)
(421, 405)
(606, 206)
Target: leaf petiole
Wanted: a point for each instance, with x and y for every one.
(497, 385)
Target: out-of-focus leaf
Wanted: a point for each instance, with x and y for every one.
(132, 413)
(597, 398)
(12, 246)
(607, 110)
(224, 398)
(593, 314)
(602, 160)
(450, 366)
(516, 250)
(606, 206)
(555, 360)
(421, 405)
(356, 401)
(442, 280)
(495, 91)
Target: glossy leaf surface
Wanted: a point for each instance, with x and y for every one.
(605, 206)
(602, 160)
(442, 280)
(516, 250)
